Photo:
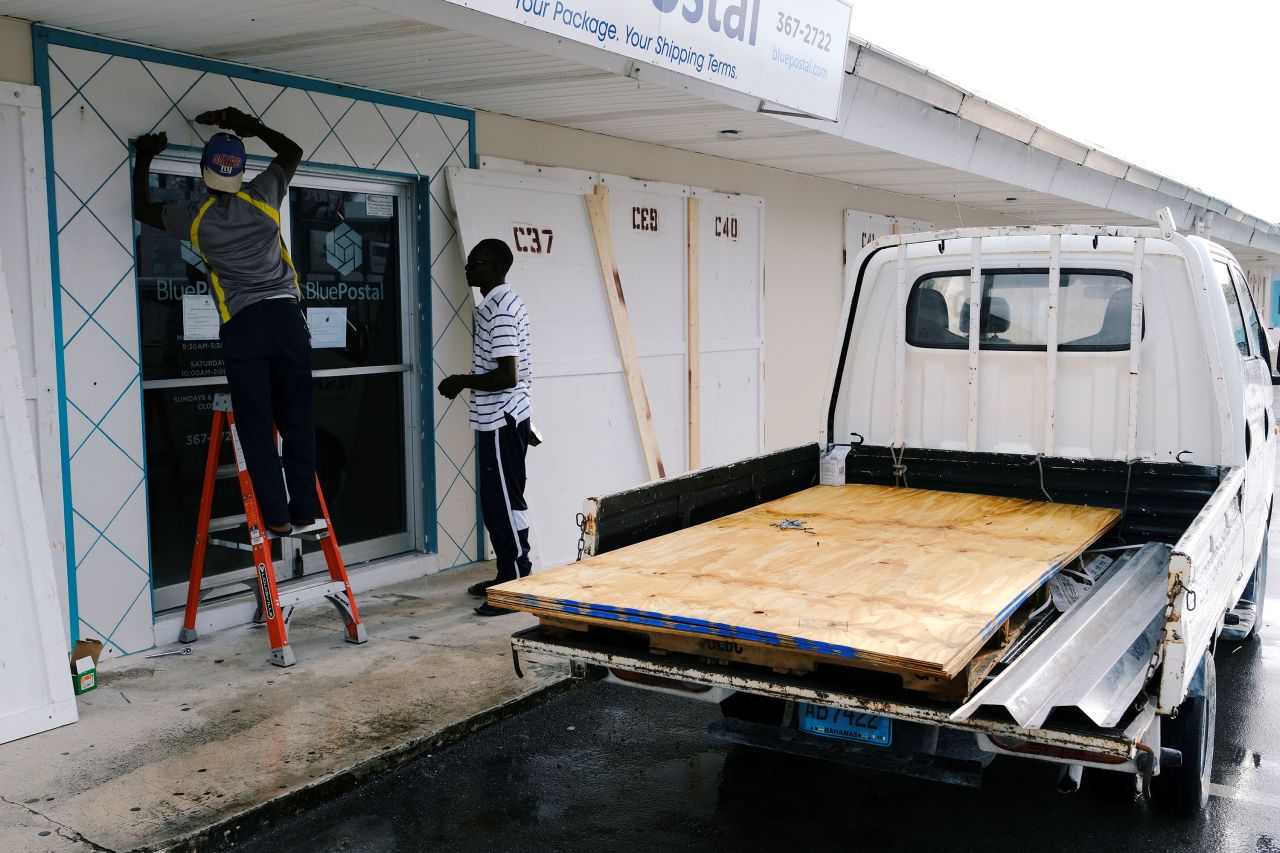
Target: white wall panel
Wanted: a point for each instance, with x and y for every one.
(25, 247)
(33, 652)
(731, 322)
(580, 399)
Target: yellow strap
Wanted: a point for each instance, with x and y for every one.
(284, 252)
(261, 205)
(275, 217)
(223, 312)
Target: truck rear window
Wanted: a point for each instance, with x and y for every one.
(1093, 310)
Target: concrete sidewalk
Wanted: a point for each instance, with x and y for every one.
(180, 752)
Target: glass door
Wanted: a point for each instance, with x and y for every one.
(351, 243)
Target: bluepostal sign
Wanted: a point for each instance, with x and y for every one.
(788, 52)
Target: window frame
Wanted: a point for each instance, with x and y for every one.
(1064, 271)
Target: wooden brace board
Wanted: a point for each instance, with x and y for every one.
(598, 211)
(907, 579)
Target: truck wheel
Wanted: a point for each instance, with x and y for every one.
(1258, 589)
(1185, 790)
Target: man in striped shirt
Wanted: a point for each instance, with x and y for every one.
(500, 378)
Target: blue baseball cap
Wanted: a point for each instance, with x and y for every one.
(222, 163)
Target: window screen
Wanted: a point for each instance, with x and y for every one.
(1094, 309)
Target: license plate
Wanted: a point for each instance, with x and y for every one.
(846, 725)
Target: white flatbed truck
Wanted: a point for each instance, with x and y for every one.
(1045, 397)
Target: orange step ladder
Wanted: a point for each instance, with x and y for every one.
(273, 598)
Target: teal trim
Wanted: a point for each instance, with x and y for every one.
(40, 49)
(426, 389)
(70, 38)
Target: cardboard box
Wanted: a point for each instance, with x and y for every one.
(84, 676)
(84, 665)
(831, 468)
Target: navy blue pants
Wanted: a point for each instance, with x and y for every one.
(267, 350)
(502, 503)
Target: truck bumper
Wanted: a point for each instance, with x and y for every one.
(1115, 748)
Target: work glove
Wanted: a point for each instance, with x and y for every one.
(150, 144)
(232, 119)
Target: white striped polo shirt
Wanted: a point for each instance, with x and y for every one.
(501, 331)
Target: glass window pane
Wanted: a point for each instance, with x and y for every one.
(1251, 320)
(1233, 308)
(1014, 311)
(1093, 311)
(346, 248)
(360, 453)
(169, 271)
(933, 312)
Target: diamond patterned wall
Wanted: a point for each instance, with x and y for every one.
(100, 95)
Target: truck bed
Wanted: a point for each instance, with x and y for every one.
(899, 579)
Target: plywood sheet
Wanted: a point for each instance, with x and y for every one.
(908, 578)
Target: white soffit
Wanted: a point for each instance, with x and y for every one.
(902, 129)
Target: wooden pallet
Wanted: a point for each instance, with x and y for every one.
(898, 580)
(722, 652)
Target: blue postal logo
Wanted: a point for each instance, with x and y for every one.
(343, 249)
(666, 6)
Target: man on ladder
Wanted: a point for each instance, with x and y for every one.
(500, 378)
(265, 340)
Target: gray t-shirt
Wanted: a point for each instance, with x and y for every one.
(239, 237)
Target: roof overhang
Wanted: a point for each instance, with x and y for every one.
(901, 129)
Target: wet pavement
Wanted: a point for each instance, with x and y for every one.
(613, 768)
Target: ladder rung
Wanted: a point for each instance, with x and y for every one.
(227, 543)
(295, 592)
(226, 522)
(296, 595)
(226, 472)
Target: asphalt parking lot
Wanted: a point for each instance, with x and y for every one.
(607, 767)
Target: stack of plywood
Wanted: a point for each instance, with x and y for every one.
(905, 580)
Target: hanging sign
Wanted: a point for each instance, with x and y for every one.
(788, 52)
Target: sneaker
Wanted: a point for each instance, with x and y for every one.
(480, 589)
(488, 609)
